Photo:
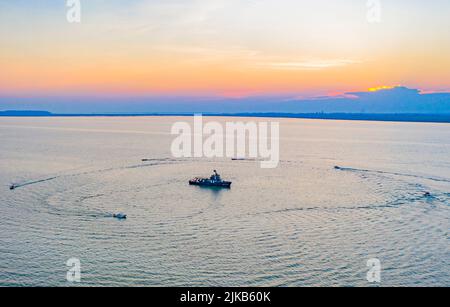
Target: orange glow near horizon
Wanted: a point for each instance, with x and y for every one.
(207, 49)
(170, 75)
(381, 88)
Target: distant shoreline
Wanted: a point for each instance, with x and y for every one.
(419, 118)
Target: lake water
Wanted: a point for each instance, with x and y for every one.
(304, 223)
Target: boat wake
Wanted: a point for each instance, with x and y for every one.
(21, 185)
(153, 162)
(349, 169)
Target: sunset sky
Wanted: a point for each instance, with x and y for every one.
(224, 48)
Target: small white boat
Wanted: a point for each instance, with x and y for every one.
(120, 216)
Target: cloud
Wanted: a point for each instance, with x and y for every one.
(383, 100)
(312, 64)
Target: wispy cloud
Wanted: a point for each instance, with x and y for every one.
(312, 64)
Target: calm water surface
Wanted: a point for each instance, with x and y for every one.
(302, 224)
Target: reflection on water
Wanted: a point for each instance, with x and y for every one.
(214, 192)
(305, 223)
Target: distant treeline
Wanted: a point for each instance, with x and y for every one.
(25, 113)
(431, 118)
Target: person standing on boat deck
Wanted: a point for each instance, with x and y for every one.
(216, 176)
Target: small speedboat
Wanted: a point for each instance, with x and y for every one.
(120, 216)
(12, 187)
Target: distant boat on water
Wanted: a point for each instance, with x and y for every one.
(214, 181)
(120, 216)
